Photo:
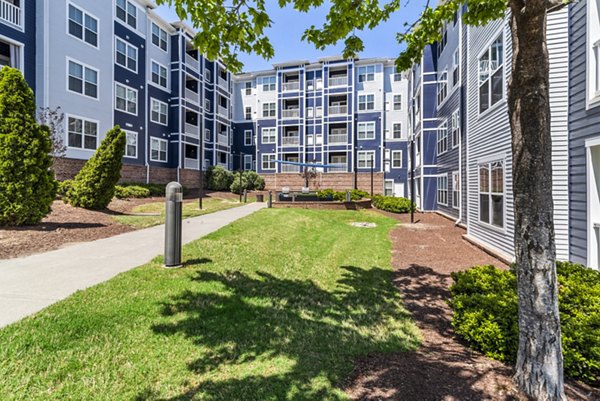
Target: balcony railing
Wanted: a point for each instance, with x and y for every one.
(10, 13)
(222, 82)
(192, 62)
(223, 111)
(191, 95)
(192, 130)
(338, 81)
(223, 139)
(291, 86)
(191, 164)
(333, 110)
(290, 140)
(290, 168)
(338, 168)
(337, 138)
(224, 165)
(290, 113)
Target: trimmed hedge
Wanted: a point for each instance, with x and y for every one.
(218, 179)
(131, 191)
(154, 189)
(27, 185)
(340, 196)
(484, 300)
(392, 204)
(250, 181)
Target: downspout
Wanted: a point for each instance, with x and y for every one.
(460, 172)
(180, 108)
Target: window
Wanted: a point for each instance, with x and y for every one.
(127, 12)
(248, 88)
(131, 144)
(248, 137)
(397, 131)
(158, 150)
(455, 189)
(491, 193)
(207, 104)
(442, 138)
(319, 111)
(248, 113)
(207, 74)
(248, 162)
(83, 26)
(366, 73)
(491, 75)
(365, 158)
(126, 99)
(443, 41)
(455, 68)
(455, 128)
(397, 77)
(126, 55)
(366, 102)
(269, 135)
(268, 109)
(442, 87)
(269, 84)
(442, 190)
(83, 80)
(158, 112)
(593, 49)
(397, 102)
(268, 162)
(159, 37)
(366, 130)
(159, 74)
(82, 134)
(388, 188)
(396, 159)
(207, 134)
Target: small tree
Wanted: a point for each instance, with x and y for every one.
(27, 185)
(94, 185)
(53, 119)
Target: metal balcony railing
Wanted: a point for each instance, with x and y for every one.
(191, 164)
(337, 138)
(338, 81)
(290, 168)
(291, 86)
(338, 168)
(192, 96)
(10, 13)
(223, 139)
(191, 129)
(222, 82)
(223, 111)
(192, 62)
(290, 113)
(333, 110)
(290, 140)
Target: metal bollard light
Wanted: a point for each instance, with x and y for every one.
(245, 196)
(173, 204)
(348, 197)
(270, 203)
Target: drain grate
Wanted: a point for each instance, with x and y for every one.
(363, 225)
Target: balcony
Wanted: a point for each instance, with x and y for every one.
(222, 82)
(223, 139)
(338, 110)
(290, 113)
(10, 13)
(333, 139)
(290, 141)
(338, 81)
(223, 111)
(224, 165)
(291, 86)
(338, 168)
(192, 62)
(192, 96)
(191, 129)
(290, 168)
(191, 164)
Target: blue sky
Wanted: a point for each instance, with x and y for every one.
(288, 26)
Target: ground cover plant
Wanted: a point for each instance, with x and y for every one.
(340, 196)
(484, 300)
(280, 315)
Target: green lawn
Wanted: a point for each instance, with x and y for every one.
(273, 307)
(190, 209)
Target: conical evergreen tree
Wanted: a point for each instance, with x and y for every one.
(94, 185)
(27, 185)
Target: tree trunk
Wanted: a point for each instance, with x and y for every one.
(539, 370)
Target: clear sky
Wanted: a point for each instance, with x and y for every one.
(288, 26)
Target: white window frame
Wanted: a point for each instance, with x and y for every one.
(442, 87)
(83, 135)
(160, 66)
(363, 159)
(160, 39)
(128, 46)
(83, 25)
(206, 135)
(83, 79)
(366, 73)
(248, 113)
(269, 110)
(365, 130)
(363, 101)
(246, 137)
(154, 140)
(269, 84)
(455, 68)
(207, 104)
(397, 77)
(397, 105)
(456, 184)
(126, 21)
(485, 74)
(248, 162)
(442, 191)
(160, 104)
(127, 135)
(128, 91)
(270, 162)
(593, 54)
(395, 153)
(268, 135)
(455, 128)
(248, 88)
(442, 138)
(489, 193)
(394, 131)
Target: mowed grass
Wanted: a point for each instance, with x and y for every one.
(276, 306)
(190, 209)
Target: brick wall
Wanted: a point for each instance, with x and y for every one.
(335, 181)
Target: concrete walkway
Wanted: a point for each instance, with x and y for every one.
(32, 283)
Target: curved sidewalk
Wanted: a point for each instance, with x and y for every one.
(32, 283)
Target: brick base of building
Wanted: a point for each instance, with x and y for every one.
(66, 169)
(335, 181)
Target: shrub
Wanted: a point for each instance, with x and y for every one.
(357, 194)
(236, 186)
(324, 194)
(218, 179)
(63, 187)
(154, 189)
(94, 185)
(27, 185)
(484, 300)
(131, 191)
(392, 204)
(340, 196)
(255, 181)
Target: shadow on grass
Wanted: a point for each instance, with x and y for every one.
(269, 338)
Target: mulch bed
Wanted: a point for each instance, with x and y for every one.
(443, 368)
(67, 225)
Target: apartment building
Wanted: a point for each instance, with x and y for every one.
(348, 118)
(17, 37)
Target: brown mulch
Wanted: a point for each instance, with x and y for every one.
(443, 368)
(67, 225)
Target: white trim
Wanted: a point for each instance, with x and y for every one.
(83, 120)
(246, 137)
(126, 99)
(393, 152)
(127, 46)
(365, 95)
(84, 12)
(166, 114)
(136, 144)
(152, 138)
(97, 98)
(158, 85)
(151, 37)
